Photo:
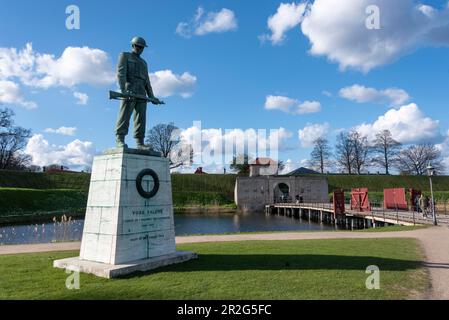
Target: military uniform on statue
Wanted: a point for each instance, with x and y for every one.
(133, 79)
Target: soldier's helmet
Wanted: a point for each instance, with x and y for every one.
(138, 41)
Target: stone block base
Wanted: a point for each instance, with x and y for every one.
(113, 271)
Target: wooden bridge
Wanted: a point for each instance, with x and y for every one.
(352, 219)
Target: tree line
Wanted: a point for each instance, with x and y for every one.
(354, 154)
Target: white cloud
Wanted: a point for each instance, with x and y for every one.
(76, 65)
(17, 64)
(293, 106)
(444, 148)
(290, 165)
(337, 30)
(76, 154)
(211, 22)
(363, 94)
(287, 17)
(311, 132)
(446, 163)
(10, 93)
(165, 83)
(82, 98)
(309, 107)
(279, 103)
(427, 10)
(408, 124)
(65, 131)
(229, 142)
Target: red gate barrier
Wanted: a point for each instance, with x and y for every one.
(339, 202)
(359, 200)
(395, 199)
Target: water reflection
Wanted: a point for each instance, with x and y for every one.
(68, 229)
(56, 231)
(235, 223)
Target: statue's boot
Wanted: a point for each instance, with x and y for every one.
(141, 145)
(120, 142)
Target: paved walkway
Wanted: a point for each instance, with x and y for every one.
(435, 242)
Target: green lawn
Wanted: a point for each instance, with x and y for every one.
(313, 269)
(394, 228)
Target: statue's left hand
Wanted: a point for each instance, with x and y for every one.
(158, 102)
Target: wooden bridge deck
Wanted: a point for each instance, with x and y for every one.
(406, 218)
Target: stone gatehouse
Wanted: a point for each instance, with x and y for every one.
(254, 193)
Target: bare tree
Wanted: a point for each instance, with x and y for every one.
(415, 158)
(281, 166)
(361, 150)
(6, 117)
(164, 138)
(387, 150)
(321, 154)
(12, 141)
(344, 152)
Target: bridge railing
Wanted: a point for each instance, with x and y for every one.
(305, 205)
(377, 211)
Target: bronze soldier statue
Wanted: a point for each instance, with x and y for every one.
(134, 82)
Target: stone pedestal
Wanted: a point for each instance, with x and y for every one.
(127, 228)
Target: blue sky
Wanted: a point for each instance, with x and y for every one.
(235, 71)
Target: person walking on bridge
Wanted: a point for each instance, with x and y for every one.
(423, 205)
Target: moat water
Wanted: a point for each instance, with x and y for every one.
(191, 224)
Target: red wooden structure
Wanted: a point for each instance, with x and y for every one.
(395, 199)
(339, 202)
(359, 200)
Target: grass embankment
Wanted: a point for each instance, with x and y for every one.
(272, 270)
(41, 180)
(378, 183)
(27, 194)
(203, 192)
(191, 193)
(197, 201)
(219, 183)
(29, 205)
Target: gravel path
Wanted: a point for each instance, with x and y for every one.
(435, 242)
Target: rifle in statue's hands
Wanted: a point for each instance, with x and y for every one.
(131, 96)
